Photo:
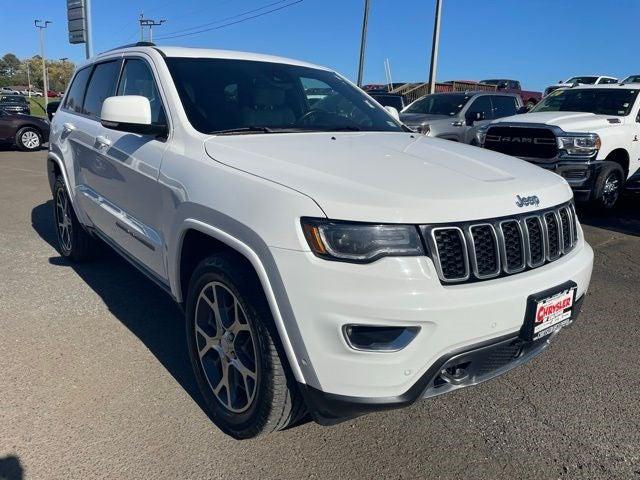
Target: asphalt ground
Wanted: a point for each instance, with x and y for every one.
(95, 380)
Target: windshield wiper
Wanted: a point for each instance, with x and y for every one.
(241, 130)
(344, 129)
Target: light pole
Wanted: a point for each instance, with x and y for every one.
(88, 26)
(41, 25)
(363, 41)
(434, 48)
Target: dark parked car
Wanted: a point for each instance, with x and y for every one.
(15, 104)
(24, 131)
(389, 100)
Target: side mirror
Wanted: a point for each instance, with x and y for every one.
(472, 117)
(129, 113)
(393, 111)
(522, 109)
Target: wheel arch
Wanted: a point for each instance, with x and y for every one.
(195, 233)
(621, 157)
(55, 167)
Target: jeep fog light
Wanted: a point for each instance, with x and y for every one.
(381, 339)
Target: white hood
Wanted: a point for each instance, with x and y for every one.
(392, 177)
(567, 121)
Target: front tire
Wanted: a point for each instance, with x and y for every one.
(609, 186)
(235, 350)
(28, 139)
(74, 242)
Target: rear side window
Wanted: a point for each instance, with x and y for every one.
(504, 106)
(101, 85)
(137, 79)
(73, 101)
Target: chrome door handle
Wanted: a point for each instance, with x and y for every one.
(68, 127)
(103, 141)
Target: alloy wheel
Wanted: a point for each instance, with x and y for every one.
(30, 139)
(226, 347)
(63, 220)
(611, 189)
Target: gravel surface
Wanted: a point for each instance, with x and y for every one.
(95, 381)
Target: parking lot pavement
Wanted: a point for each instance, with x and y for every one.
(95, 381)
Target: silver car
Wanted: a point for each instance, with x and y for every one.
(456, 115)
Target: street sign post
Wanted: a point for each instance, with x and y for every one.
(79, 22)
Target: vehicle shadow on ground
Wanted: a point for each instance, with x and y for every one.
(134, 300)
(10, 468)
(624, 218)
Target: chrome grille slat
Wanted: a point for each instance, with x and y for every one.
(478, 253)
(486, 249)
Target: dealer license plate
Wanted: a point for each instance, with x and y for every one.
(549, 311)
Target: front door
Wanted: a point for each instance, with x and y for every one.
(132, 189)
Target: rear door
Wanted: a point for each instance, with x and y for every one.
(7, 129)
(128, 179)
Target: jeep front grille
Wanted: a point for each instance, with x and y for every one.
(473, 251)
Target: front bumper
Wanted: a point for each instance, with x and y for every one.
(482, 362)
(405, 291)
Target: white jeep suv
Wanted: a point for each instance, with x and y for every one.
(328, 260)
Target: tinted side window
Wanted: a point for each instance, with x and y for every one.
(482, 104)
(137, 79)
(504, 106)
(73, 101)
(102, 85)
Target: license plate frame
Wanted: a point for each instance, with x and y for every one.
(546, 312)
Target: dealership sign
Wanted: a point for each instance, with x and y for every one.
(76, 16)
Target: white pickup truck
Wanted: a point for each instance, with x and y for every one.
(587, 134)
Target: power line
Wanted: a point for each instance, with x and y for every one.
(196, 27)
(231, 23)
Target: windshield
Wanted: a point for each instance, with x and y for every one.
(439, 104)
(583, 80)
(632, 79)
(601, 101)
(242, 96)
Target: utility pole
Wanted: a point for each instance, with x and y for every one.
(434, 48)
(28, 79)
(41, 25)
(363, 41)
(147, 22)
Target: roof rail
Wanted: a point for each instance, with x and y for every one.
(137, 44)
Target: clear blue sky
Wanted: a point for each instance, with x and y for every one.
(536, 41)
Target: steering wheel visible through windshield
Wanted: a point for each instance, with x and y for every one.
(232, 96)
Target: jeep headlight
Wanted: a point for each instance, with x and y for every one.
(360, 242)
(580, 144)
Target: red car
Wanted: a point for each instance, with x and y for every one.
(52, 94)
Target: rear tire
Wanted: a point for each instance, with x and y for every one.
(74, 242)
(29, 139)
(235, 350)
(608, 186)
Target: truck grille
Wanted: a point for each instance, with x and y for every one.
(522, 141)
(473, 251)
